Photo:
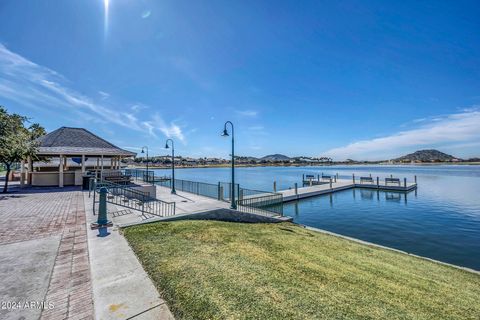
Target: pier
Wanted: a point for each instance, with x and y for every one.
(386, 184)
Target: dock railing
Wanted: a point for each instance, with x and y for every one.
(260, 202)
(209, 190)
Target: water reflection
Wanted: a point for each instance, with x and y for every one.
(393, 196)
(366, 194)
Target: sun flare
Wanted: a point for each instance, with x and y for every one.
(106, 4)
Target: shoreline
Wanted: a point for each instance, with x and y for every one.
(308, 165)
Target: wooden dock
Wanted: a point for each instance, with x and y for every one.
(340, 185)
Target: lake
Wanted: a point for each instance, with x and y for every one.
(440, 220)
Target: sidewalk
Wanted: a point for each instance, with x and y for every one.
(121, 288)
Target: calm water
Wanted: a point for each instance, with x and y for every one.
(441, 220)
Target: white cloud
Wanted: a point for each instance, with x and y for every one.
(247, 113)
(146, 14)
(138, 107)
(41, 88)
(103, 95)
(170, 130)
(173, 130)
(445, 131)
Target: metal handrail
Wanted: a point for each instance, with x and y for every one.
(200, 188)
(265, 204)
(128, 197)
(249, 200)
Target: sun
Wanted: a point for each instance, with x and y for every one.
(106, 4)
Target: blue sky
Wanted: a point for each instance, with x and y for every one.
(350, 79)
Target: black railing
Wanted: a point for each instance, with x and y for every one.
(262, 203)
(125, 196)
(144, 175)
(225, 191)
(201, 188)
(248, 200)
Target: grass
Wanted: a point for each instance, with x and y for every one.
(221, 270)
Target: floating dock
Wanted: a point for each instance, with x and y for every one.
(343, 184)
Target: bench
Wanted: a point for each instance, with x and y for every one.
(366, 179)
(392, 180)
(119, 179)
(328, 178)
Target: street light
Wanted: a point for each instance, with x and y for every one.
(143, 151)
(225, 134)
(173, 164)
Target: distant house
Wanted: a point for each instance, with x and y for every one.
(65, 156)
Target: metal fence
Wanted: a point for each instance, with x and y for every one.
(201, 188)
(261, 203)
(140, 174)
(125, 196)
(248, 200)
(225, 191)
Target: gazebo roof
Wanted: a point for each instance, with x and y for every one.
(77, 141)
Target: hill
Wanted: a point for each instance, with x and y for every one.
(276, 157)
(430, 155)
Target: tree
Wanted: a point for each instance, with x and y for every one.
(16, 141)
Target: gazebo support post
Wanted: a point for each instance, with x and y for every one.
(83, 164)
(60, 172)
(101, 170)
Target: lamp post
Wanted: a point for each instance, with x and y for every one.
(143, 151)
(225, 134)
(173, 164)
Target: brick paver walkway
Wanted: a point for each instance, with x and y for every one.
(43, 213)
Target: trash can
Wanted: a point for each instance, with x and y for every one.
(86, 182)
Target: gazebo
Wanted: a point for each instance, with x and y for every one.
(65, 156)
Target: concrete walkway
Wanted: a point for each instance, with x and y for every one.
(188, 202)
(121, 288)
(185, 203)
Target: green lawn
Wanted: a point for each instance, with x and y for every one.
(221, 270)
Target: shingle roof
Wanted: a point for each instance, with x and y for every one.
(77, 141)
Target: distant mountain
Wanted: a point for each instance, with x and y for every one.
(427, 156)
(275, 157)
(246, 158)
